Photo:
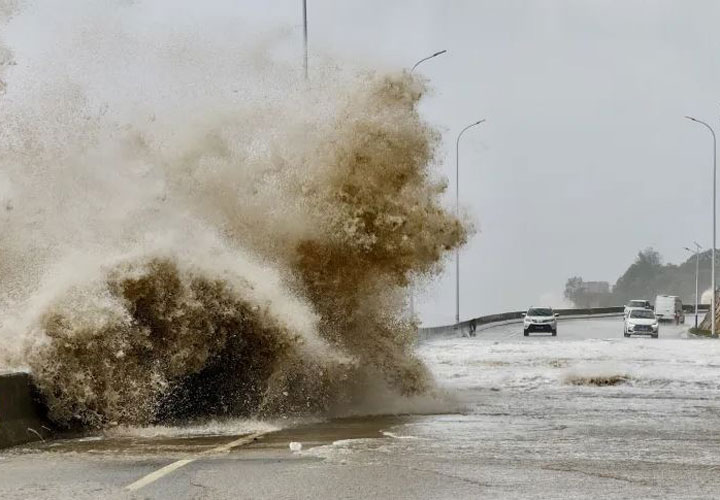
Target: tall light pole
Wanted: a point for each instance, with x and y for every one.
(412, 294)
(697, 276)
(426, 58)
(305, 39)
(713, 310)
(457, 214)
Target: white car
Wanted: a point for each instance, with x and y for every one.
(641, 322)
(636, 304)
(540, 319)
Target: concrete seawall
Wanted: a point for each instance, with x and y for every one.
(21, 417)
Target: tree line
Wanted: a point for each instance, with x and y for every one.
(646, 278)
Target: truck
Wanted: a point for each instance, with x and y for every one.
(669, 308)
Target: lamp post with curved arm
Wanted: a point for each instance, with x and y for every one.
(457, 214)
(426, 58)
(713, 310)
(412, 296)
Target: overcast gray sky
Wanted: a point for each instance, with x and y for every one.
(585, 158)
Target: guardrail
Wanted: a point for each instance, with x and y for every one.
(516, 316)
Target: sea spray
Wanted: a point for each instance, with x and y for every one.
(184, 258)
(156, 338)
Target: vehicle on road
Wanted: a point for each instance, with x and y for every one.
(641, 322)
(669, 308)
(540, 319)
(636, 304)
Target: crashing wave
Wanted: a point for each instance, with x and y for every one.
(222, 257)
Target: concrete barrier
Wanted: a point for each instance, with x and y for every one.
(508, 318)
(22, 419)
(690, 308)
(516, 317)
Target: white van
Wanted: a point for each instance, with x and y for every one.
(668, 308)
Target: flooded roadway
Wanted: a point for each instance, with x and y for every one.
(586, 414)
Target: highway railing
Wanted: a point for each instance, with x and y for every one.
(484, 322)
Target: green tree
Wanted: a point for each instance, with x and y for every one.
(646, 278)
(642, 279)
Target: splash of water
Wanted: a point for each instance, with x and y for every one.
(219, 255)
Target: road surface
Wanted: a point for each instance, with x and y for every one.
(586, 414)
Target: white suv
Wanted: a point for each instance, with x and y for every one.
(540, 319)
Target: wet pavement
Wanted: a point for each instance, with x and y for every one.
(586, 414)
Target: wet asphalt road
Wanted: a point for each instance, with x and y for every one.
(586, 414)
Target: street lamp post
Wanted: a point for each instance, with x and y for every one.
(426, 58)
(305, 39)
(713, 310)
(412, 295)
(697, 276)
(457, 214)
